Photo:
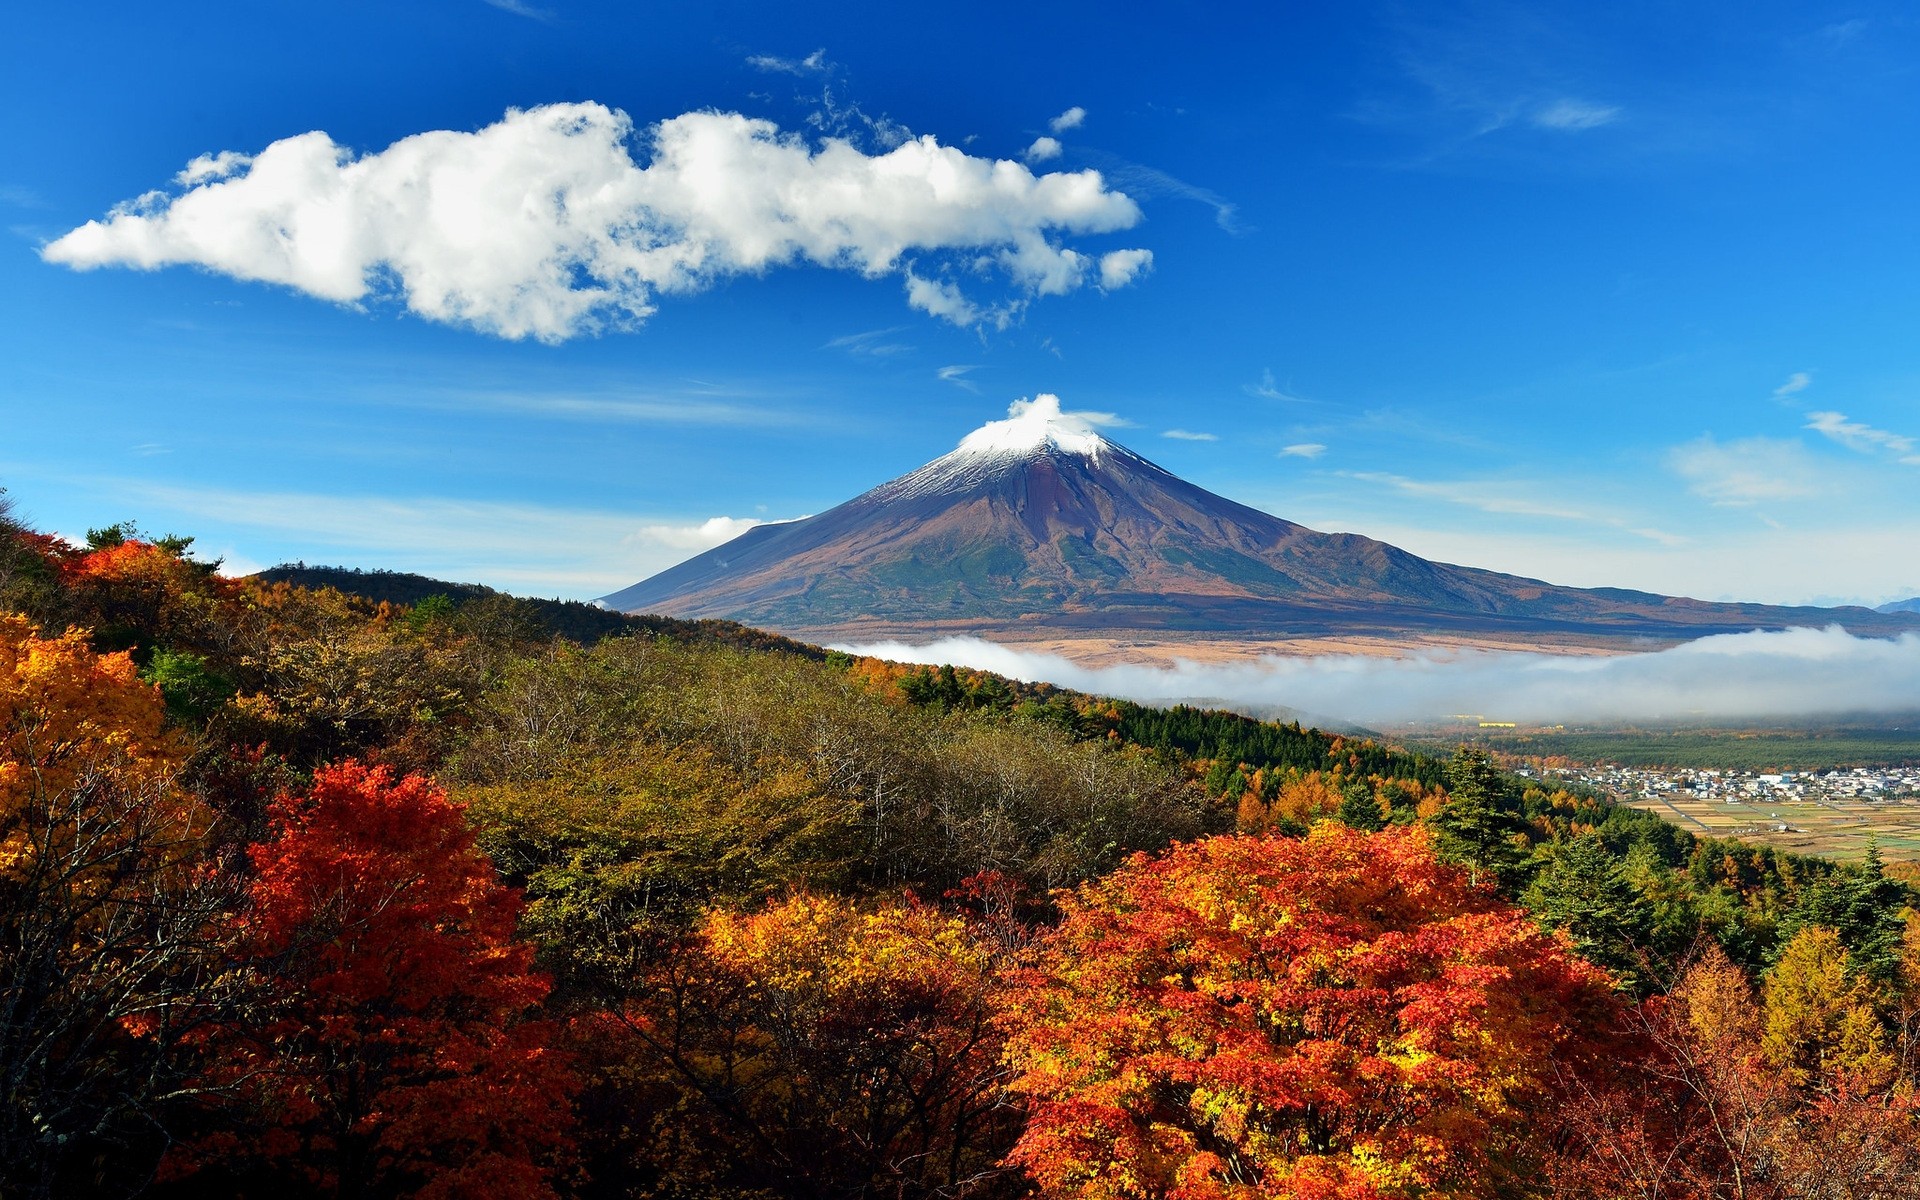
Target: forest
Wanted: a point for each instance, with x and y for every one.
(310, 889)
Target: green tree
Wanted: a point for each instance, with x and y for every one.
(1584, 890)
(1475, 828)
(1360, 808)
(1864, 907)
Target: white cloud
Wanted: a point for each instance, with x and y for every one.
(1144, 182)
(1267, 389)
(1572, 116)
(1746, 472)
(209, 167)
(1118, 268)
(714, 531)
(1506, 498)
(938, 298)
(957, 375)
(872, 343)
(1303, 450)
(1073, 118)
(1864, 438)
(812, 64)
(1187, 435)
(1801, 564)
(1043, 148)
(1745, 676)
(1799, 381)
(542, 225)
(518, 547)
(520, 8)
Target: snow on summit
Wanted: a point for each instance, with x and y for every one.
(1035, 424)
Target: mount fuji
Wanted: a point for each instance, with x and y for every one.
(1040, 527)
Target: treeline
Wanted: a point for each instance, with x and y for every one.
(323, 894)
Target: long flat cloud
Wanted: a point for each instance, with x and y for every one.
(543, 225)
(1743, 676)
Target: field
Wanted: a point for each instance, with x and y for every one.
(1837, 828)
(1890, 742)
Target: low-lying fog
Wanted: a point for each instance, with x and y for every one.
(1745, 676)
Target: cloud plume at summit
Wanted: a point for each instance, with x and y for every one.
(542, 225)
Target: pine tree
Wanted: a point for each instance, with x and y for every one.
(1864, 907)
(1585, 891)
(1360, 808)
(1474, 828)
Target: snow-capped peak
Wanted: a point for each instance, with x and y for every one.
(1035, 425)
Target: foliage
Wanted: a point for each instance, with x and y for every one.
(385, 1049)
(1476, 825)
(106, 946)
(819, 1047)
(1339, 1015)
(1586, 892)
(618, 851)
(1706, 1112)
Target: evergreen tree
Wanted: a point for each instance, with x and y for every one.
(1360, 808)
(1475, 827)
(1586, 891)
(1864, 907)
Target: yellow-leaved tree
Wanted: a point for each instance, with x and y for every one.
(106, 917)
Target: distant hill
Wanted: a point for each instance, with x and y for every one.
(1039, 526)
(1910, 605)
(570, 619)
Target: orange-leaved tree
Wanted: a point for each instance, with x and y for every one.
(1341, 1015)
(820, 1047)
(389, 1050)
(1794, 1097)
(106, 919)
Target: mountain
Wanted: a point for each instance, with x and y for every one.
(1039, 526)
(1910, 605)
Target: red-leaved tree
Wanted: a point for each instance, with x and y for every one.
(389, 1050)
(1336, 1016)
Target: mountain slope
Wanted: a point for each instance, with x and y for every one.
(1038, 522)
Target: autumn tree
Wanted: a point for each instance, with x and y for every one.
(819, 1048)
(1726, 1096)
(106, 919)
(1339, 1015)
(387, 1049)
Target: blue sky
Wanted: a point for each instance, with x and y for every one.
(1609, 295)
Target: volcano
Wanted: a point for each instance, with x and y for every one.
(1038, 526)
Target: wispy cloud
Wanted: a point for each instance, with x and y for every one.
(1150, 183)
(1073, 118)
(520, 8)
(581, 552)
(1792, 673)
(1864, 438)
(813, 64)
(1269, 389)
(1188, 435)
(873, 343)
(543, 226)
(1507, 499)
(957, 373)
(1746, 472)
(691, 408)
(1574, 116)
(1303, 450)
(1796, 383)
